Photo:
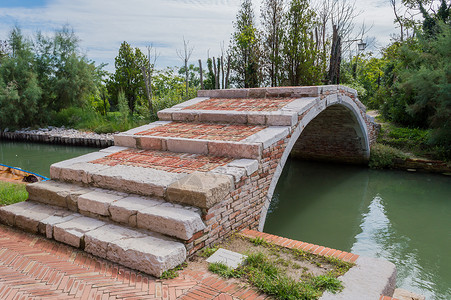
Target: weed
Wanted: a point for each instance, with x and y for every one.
(328, 283)
(296, 266)
(383, 156)
(258, 241)
(223, 270)
(172, 273)
(207, 252)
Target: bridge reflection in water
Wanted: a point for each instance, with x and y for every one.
(402, 217)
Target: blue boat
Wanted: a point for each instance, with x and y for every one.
(17, 175)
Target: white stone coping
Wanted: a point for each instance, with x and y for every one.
(367, 280)
(229, 258)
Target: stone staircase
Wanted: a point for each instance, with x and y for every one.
(146, 202)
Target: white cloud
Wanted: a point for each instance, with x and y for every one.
(103, 25)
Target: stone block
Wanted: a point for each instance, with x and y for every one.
(151, 255)
(200, 189)
(150, 143)
(185, 116)
(172, 221)
(29, 219)
(165, 115)
(97, 240)
(256, 118)
(113, 149)
(187, 145)
(49, 192)
(123, 210)
(268, 136)
(300, 105)
(235, 149)
(306, 91)
(125, 140)
(230, 117)
(97, 202)
(72, 232)
(235, 172)
(402, 294)
(250, 165)
(256, 93)
(8, 213)
(56, 168)
(136, 180)
(228, 93)
(190, 102)
(229, 258)
(285, 92)
(46, 225)
(281, 119)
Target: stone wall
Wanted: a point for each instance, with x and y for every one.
(60, 136)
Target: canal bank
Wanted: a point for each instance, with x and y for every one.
(59, 136)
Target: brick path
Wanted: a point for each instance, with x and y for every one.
(163, 160)
(224, 132)
(242, 104)
(32, 267)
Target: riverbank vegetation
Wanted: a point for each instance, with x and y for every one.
(280, 272)
(11, 193)
(47, 80)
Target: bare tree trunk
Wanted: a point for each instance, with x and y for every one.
(222, 70)
(201, 75)
(335, 58)
(185, 55)
(228, 72)
(218, 85)
(215, 73)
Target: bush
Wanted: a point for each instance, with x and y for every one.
(383, 156)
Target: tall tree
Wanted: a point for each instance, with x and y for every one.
(185, 55)
(19, 89)
(272, 13)
(245, 48)
(299, 48)
(128, 77)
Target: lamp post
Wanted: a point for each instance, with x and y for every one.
(361, 46)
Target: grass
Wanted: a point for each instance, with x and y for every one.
(268, 273)
(172, 273)
(11, 193)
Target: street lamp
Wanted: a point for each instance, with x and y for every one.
(361, 45)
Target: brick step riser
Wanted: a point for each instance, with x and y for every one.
(207, 147)
(148, 252)
(137, 212)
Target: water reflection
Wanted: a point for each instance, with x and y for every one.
(400, 216)
(37, 157)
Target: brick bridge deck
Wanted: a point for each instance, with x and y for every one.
(208, 168)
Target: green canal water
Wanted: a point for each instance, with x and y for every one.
(400, 216)
(37, 158)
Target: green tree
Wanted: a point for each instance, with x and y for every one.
(245, 48)
(299, 46)
(128, 77)
(272, 14)
(66, 77)
(19, 89)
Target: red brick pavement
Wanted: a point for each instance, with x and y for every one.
(242, 104)
(205, 131)
(164, 160)
(32, 267)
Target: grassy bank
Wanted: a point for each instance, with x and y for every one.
(397, 143)
(12, 193)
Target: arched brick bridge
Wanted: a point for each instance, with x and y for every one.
(208, 168)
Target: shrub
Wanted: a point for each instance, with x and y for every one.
(383, 156)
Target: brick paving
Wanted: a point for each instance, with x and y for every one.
(205, 131)
(242, 104)
(164, 160)
(35, 268)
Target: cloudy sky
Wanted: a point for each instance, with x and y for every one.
(103, 25)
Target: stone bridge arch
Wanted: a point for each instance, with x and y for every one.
(334, 129)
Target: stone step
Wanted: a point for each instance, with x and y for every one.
(145, 251)
(192, 179)
(227, 107)
(132, 210)
(228, 140)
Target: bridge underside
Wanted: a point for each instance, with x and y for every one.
(334, 135)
